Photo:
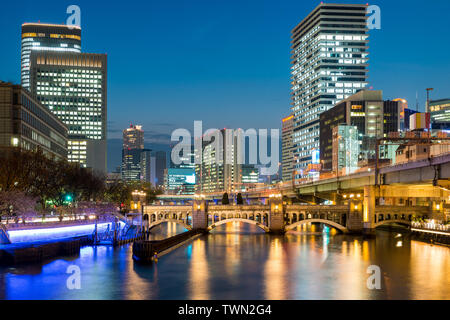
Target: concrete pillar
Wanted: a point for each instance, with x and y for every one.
(355, 216)
(276, 216)
(369, 208)
(200, 214)
(336, 198)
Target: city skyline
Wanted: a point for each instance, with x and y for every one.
(225, 151)
(226, 73)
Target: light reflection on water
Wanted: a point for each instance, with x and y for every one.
(240, 261)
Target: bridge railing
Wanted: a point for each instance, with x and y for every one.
(431, 226)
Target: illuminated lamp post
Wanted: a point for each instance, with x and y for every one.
(138, 199)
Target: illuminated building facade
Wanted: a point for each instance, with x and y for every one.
(179, 181)
(369, 113)
(73, 87)
(133, 137)
(49, 37)
(224, 176)
(249, 174)
(440, 114)
(329, 63)
(27, 124)
(146, 163)
(287, 159)
(136, 160)
(346, 145)
(131, 164)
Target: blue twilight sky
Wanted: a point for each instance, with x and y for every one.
(225, 62)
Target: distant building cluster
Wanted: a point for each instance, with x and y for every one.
(227, 176)
(138, 163)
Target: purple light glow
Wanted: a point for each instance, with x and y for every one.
(30, 235)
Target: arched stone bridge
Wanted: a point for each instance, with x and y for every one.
(276, 217)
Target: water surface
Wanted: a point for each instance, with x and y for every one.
(239, 261)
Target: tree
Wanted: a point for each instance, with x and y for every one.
(47, 179)
(16, 204)
(239, 199)
(225, 199)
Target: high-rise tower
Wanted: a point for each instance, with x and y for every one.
(133, 145)
(329, 63)
(50, 37)
(74, 87)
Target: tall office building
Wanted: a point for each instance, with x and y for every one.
(133, 137)
(73, 86)
(160, 167)
(146, 162)
(49, 37)
(329, 63)
(136, 160)
(27, 124)
(287, 159)
(131, 164)
(219, 177)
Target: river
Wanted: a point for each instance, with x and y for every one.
(239, 261)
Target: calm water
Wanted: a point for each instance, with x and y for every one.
(238, 261)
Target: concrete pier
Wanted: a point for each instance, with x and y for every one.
(145, 250)
(13, 254)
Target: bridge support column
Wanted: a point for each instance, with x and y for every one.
(355, 219)
(276, 217)
(369, 209)
(200, 214)
(336, 198)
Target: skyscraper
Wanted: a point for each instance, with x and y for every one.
(287, 159)
(160, 167)
(133, 137)
(73, 86)
(224, 175)
(131, 164)
(329, 63)
(133, 145)
(146, 162)
(50, 37)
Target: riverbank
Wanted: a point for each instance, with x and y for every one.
(431, 237)
(20, 253)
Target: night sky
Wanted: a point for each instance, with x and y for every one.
(225, 62)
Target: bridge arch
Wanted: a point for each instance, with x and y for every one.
(180, 222)
(248, 221)
(326, 222)
(399, 221)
